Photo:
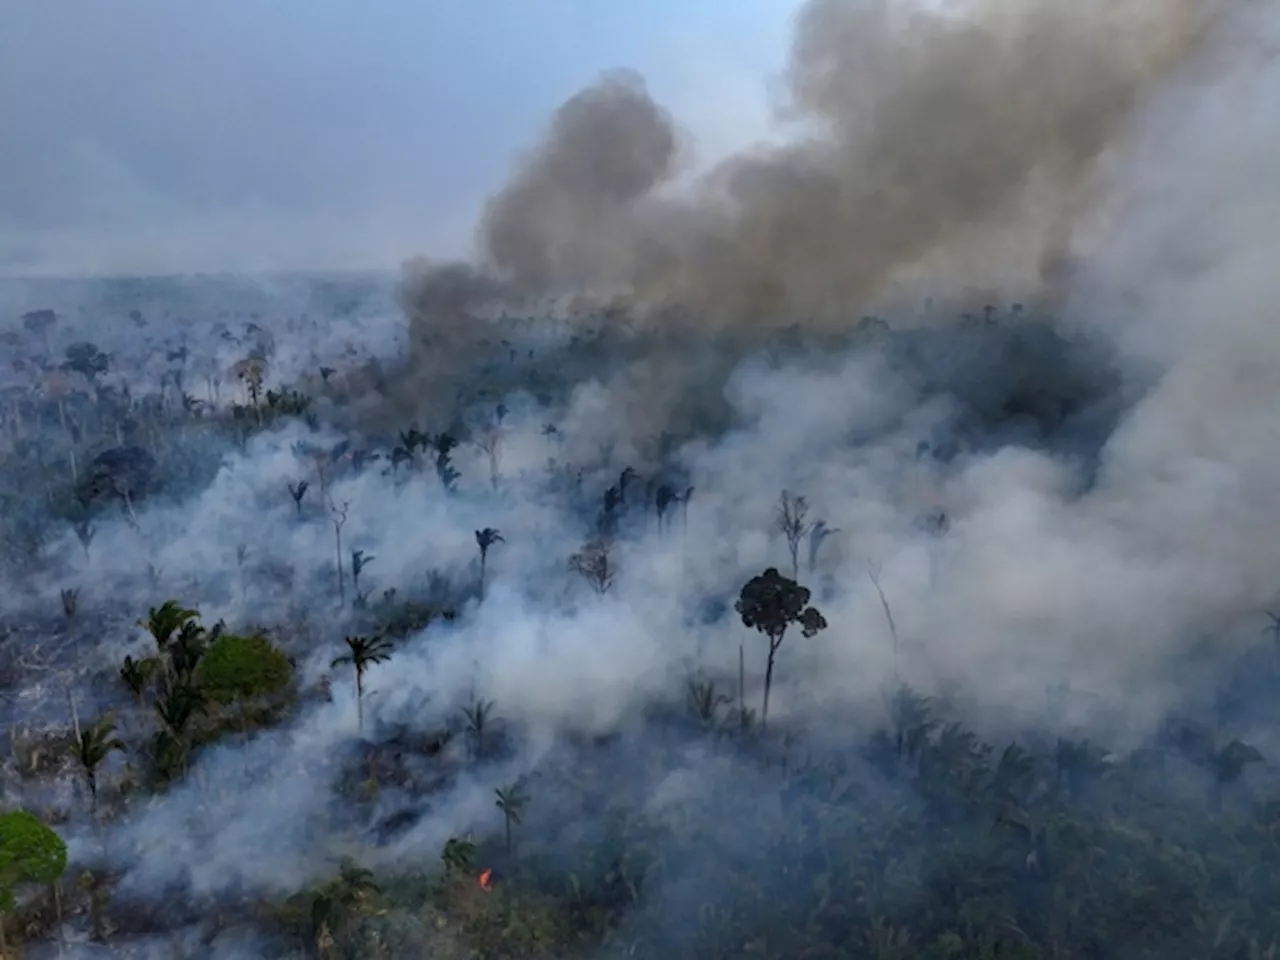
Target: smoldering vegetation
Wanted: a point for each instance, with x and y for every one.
(872, 560)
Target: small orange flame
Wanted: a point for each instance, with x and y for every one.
(486, 879)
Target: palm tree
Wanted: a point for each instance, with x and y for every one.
(705, 700)
(362, 653)
(137, 673)
(175, 709)
(477, 716)
(485, 539)
(93, 747)
(511, 801)
(166, 620)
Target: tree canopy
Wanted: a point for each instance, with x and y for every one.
(239, 667)
(30, 852)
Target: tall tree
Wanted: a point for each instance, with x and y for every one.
(478, 717)
(771, 604)
(362, 653)
(791, 518)
(485, 539)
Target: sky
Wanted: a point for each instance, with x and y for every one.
(144, 136)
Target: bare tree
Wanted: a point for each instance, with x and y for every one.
(595, 564)
(490, 443)
(791, 519)
(817, 536)
(298, 491)
(339, 521)
(874, 573)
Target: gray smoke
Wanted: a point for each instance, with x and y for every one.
(963, 137)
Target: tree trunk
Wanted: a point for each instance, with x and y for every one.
(483, 559)
(342, 591)
(57, 912)
(768, 680)
(359, 701)
(508, 835)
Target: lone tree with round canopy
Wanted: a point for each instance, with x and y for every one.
(772, 603)
(30, 852)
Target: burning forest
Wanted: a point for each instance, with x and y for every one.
(859, 549)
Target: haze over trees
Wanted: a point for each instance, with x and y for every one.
(864, 552)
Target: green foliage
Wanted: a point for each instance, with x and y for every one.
(458, 855)
(92, 747)
(237, 668)
(30, 852)
(195, 672)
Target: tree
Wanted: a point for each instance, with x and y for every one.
(511, 800)
(359, 560)
(478, 723)
(664, 496)
(136, 674)
(771, 603)
(297, 491)
(238, 668)
(175, 708)
(40, 322)
(818, 535)
(490, 444)
(124, 473)
(179, 639)
(445, 444)
(363, 652)
(339, 521)
(87, 360)
(705, 701)
(335, 901)
(92, 747)
(485, 539)
(458, 855)
(251, 371)
(30, 852)
(792, 521)
(165, 621)
(594, 563)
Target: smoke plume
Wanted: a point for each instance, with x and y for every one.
(970, 133)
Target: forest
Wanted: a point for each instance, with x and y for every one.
(289, 675)
(857, 548)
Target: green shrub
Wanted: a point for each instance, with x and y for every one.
(238, 668)
(30, 852)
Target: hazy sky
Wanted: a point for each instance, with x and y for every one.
(149, 135)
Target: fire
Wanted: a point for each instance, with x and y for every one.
(486, 879)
